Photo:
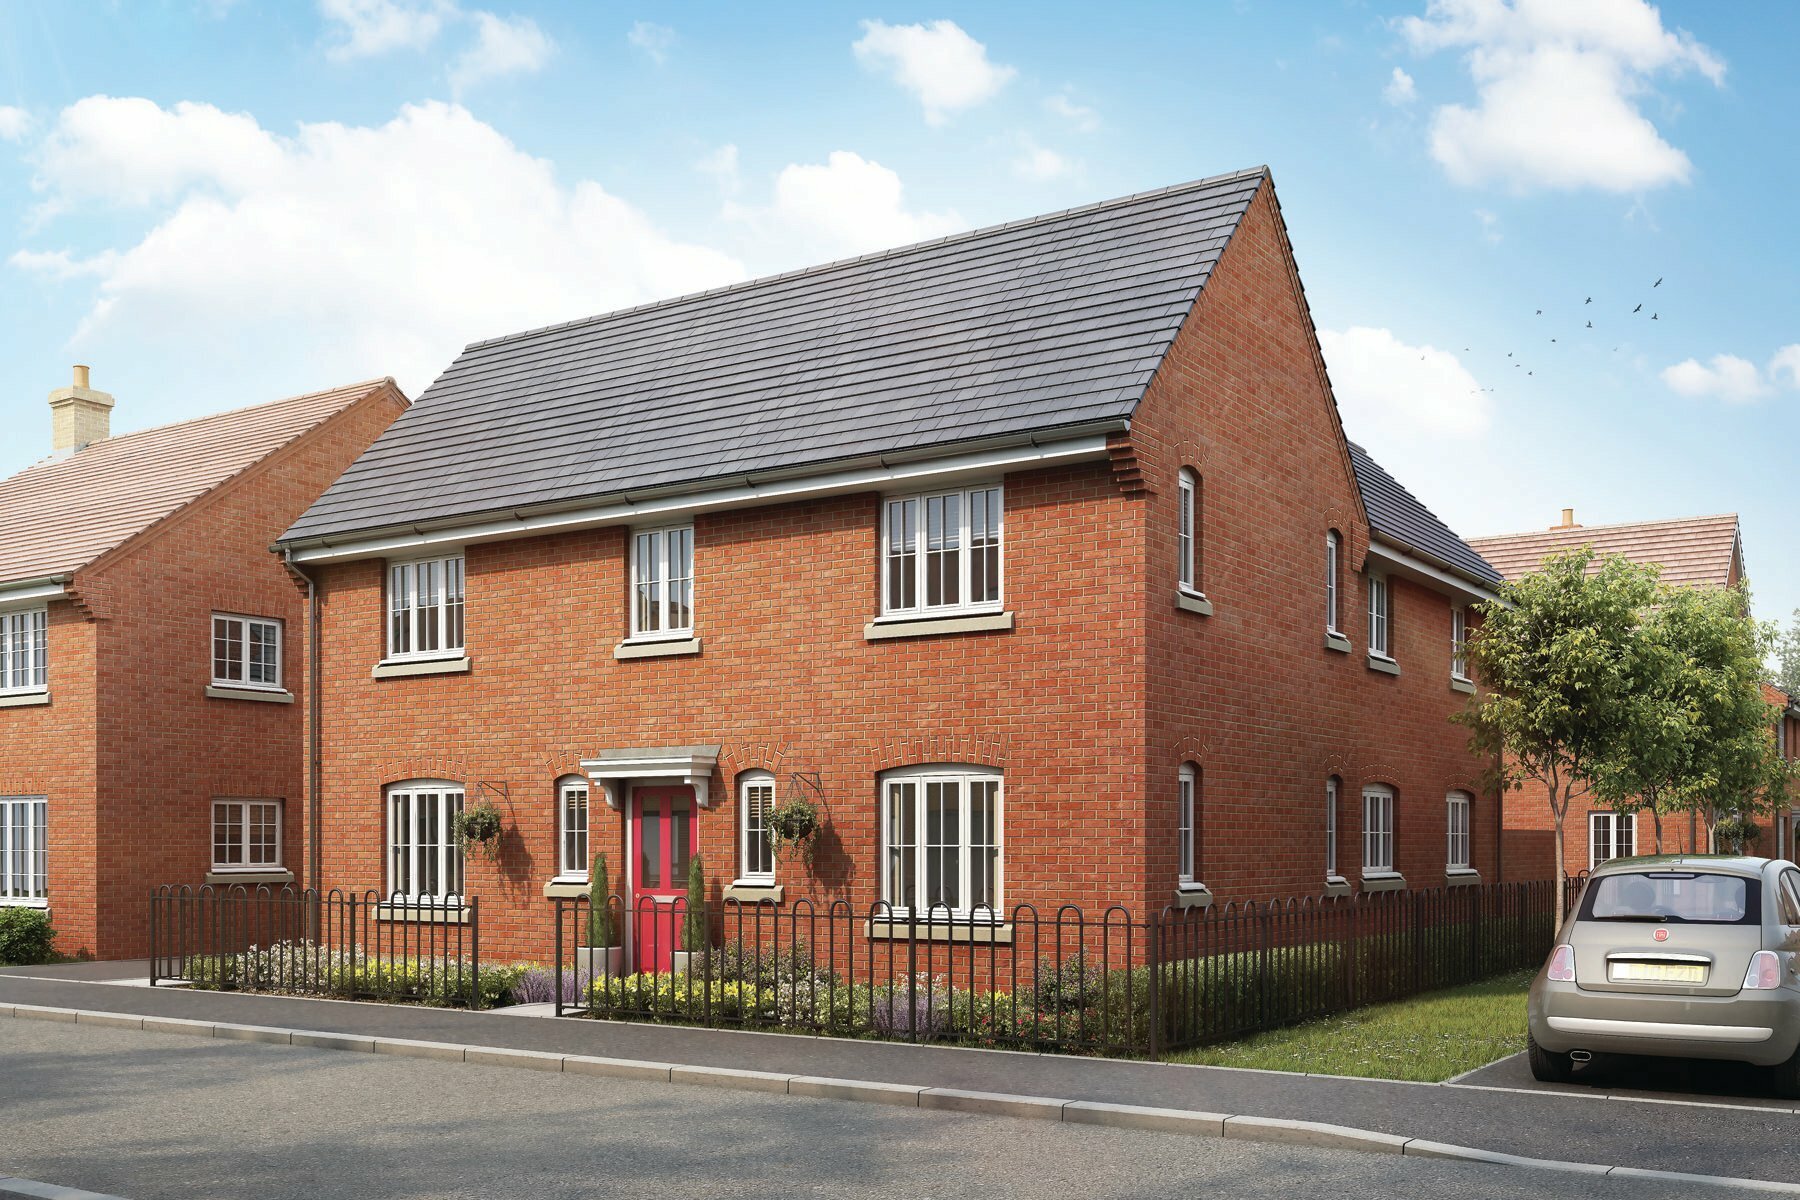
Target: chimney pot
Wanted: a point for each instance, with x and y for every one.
(79, 416)
(1568, 518)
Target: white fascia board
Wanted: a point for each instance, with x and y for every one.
(1401, 561)
(928, 472)
(25, 591)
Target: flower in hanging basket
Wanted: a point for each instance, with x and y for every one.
(793, 822)
(480, 827)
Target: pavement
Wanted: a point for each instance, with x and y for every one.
(1496, 1109)
(154, 1116)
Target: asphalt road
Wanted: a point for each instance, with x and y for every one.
(1631, 1077)
(164, 1117)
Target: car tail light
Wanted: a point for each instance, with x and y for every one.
(1764, 973)
(1562, 964)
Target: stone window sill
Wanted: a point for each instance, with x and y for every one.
(1461, 877)
(885, 630)
(1385, 882)
(248, 878)
(1337, 641)
(1466, 687)
(1337, 885)
(754, 893)
(266, 695)
(1194, 602)
(1384, 664)
(24, 700)
(565, 889)
(901, 929)
(22, 902)
(421, 915)
(1193, 895)
(404, 668)
(666, 648)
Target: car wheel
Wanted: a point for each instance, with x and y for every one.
(1547, 1066)
(1786, 1078)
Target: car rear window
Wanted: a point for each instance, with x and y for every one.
(1674, 897)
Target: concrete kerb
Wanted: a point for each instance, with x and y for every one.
(1118, 1116)
(14, 1188)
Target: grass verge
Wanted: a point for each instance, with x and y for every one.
(1429, 1038)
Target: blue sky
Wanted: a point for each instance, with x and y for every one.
(217, 203)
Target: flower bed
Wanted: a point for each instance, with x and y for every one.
(302, 968)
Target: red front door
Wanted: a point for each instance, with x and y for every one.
(662, 843)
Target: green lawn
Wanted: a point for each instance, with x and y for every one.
(1428, 1038)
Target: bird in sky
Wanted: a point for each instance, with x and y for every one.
(1589, 300)
(1540, 312)
(1658, 282)
(1653, 316)
(1552, 340)
(1638, 309)
(1509, 354)
(1590, 324)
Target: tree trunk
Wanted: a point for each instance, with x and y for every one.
(1656, 823)
(1562, 886)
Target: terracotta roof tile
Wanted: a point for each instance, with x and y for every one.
(61, 514)
(1690, 550)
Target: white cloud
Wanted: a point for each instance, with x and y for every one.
(1400, 90)
(1733, 379)
(353, 249)
(365, 28)
(939, 63)
(1558, 88)
(653, 39)
(722, 165)
(1039, 164)
(1083, 118)
(1389, 391)
(15, 123)
(503, 46)
(846, 205)
(1490, 225)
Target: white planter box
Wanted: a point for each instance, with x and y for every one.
(590, 960)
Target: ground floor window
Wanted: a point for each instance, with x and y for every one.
(424, 861)
(756, 800)
(572, 827)
(1611, 835)
(24, 859)
(941, 837)
(1188, 785)
(1456, 854)
(1378, 830)
(1331, 832)
(246, 835)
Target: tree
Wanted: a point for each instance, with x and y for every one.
(1555, 654)
(1787, 658)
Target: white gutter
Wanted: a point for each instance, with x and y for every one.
(23, 591)
(626, 510)
(1406, 562)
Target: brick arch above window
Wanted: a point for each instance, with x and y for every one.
(968, 749)
(754, 756)
(1188, 751)
(426, 766)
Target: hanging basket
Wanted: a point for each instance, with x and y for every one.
(480, 828)
(793, 823)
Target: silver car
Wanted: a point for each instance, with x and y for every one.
(1680, 956)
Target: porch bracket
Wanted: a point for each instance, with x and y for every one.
(693, 765)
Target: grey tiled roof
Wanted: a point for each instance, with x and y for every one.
(1051, 323)
(1398, 516)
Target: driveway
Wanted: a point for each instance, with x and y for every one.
(1661, 1079)
(163, 1117)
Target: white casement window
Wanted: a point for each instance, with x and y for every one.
(941, 552)
(246, 835)
(572, 828)
(1456, 849)
(1187, 519)
(1378, 830)
(1331, 827)
(1333, 549)
(1611, 835)
(1459, 643)
(246, 652)
(662, 582)
(24, 856)
(1378, 616)
(756, 800)
(425, 608)
(424, 862)
(24, 650)
(1188, 787)
(941, 837)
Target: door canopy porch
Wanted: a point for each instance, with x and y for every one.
(691, 765)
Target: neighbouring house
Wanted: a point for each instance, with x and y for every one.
(1034, 558)
(150, 653)
(1704, 552)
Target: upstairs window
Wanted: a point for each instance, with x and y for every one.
(24, 650)
(24, 859)
(425, 608)
(1333, 549)
(1188, 788)
(1187, 531)
(941, 841)
(1459, 643)
(1456, 853)
(572, 828)
(756, 800)
(1378, 616)
(246, 651)
(662, 582)
(246, 835)
(1378, 830)
(941, 552)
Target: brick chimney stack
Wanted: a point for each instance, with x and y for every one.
(79, 416)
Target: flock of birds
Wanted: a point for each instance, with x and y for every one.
(1518, 360)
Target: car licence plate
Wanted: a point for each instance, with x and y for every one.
(1658, 972)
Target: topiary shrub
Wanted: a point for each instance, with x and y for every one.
(600, 931)
(693, 922)
(25, 937)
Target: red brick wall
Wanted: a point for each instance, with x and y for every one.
(152, 747)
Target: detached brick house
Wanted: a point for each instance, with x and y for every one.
(150, 653)
(1035, 557)
(1705, 552)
